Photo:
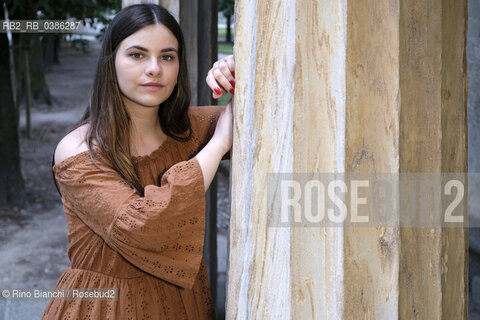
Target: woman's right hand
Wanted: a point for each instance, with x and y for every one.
(221, 78)
(223, 135)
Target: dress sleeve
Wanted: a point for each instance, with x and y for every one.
(204, 121)
(161, 233)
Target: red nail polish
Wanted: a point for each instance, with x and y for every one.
(232, 82)
(218, 91)
(232, 91)
(233, 74)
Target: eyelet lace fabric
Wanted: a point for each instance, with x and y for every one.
(150, 248)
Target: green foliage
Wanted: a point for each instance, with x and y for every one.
(227, 7)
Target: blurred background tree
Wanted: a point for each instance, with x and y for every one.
(12, 191)
(227, 7)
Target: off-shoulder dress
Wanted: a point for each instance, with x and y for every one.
(149, 248)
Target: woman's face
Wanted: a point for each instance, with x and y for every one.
(147, 66)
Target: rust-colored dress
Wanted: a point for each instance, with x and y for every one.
(150, 248)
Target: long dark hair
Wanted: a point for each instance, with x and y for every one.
(107, 115)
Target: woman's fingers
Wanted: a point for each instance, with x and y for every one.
(230, 60)
(224, 77)
(213, 84)
(227, 68)
(221, 78)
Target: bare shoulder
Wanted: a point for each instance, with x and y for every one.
(72, 144)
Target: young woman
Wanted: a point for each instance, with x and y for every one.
(133, 175)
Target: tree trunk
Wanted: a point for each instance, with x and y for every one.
(12, 190)
(229, 31)
(40, 92)
(17, 42)
(38, 84)
(48, 45)
(28, 95)
(57, 47)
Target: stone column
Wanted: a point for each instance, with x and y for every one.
(346, 86)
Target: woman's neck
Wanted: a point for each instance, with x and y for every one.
(146, 133)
